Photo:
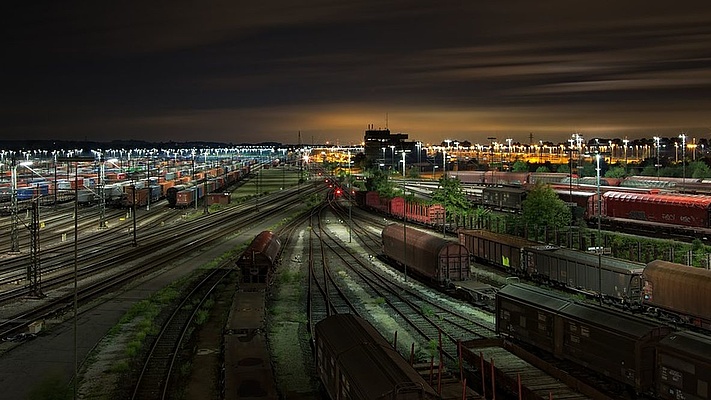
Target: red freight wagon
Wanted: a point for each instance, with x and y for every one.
(664, 208)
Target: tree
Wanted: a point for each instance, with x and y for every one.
(563, 169)
(379, 182)
(542, 168)
(413, 173)
(616, 172)
(542, 208)
(520, 166)
(449, 193)
(699, 169)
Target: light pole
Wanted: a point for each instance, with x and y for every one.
(383, 148)
(419, 151)
(625, 141)
(656, 142)
(599, 229)
(683, 158)
(15, 245)
(392, 154)
(76, 160)
(444, 162)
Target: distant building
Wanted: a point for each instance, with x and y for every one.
(379, 147)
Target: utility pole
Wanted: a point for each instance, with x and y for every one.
(34, 275)
(15, 244)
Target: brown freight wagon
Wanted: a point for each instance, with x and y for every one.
(684, 366)
(619, 346)
(528, 314)
(355, 362)
(430, 256)
(683, 290)
(258, 261)
(502, 251)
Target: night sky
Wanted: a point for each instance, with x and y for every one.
(237, 71)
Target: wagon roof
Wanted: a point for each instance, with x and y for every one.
(267, 244)
(498, 237)
(687, 342)
(611, 320)
(609, 263)
(688, 200)
(506, 189)
(678, 272)
(420, 239)
(531, 294)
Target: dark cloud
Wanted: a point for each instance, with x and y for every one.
(250, 71)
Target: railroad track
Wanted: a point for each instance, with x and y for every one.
(159, 251)
(158, 368)
(434, 319)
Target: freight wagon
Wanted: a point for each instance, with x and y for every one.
(355, 362)
(433, 258)
(258, 261)
(503, 198)
(679, 292)
(683, 366)
(619, 281)
(618, 346)
(398, 207)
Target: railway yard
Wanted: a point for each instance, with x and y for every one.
(297, 290)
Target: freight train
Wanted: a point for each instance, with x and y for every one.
(354, 361)
(641, 355)
(398, 207)
(650, 211)
(189, 193)
(248, 371)
(670, 291)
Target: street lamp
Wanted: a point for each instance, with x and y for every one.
(683, 158)
(419, 151)
(392, 154)
(444, 162)
(76, 160)
(599, 229)
(656, 142)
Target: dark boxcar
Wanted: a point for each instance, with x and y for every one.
(619, 346)
(684, 366)
(528, 314)
(503, 198)
(258, 261)
(681, 289)
(430, 256)
(503, 251)
(506, 178)
(171, 194)
(472, 177)
(620, 279)
(355, 362)
(677, 209)
(186, 197)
